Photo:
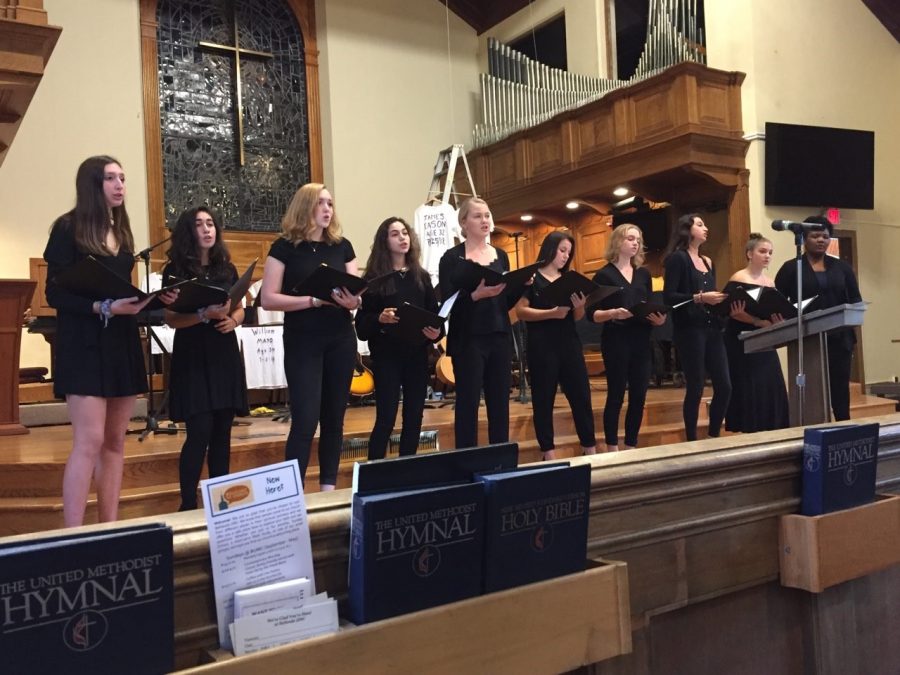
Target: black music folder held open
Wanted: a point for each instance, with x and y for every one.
(241, 286)
(772, 301)
(413, 319)
(325, 279)
(93, 280)
(737, 291)
(559, 293)
(596, 298)
(469, 274)
(194, 294)
(642, 309)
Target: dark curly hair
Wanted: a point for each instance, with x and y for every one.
(184, 253)
(380, 261)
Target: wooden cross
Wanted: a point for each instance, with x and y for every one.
(238, 52)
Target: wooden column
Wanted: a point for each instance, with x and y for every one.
(15, 296)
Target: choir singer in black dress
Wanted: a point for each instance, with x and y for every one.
(835, 283)
(691, 278)
(206, 382)
(397, 362)
(479, 336)
(319, 342)
(625, 343)
(555, 353)
(99, 365)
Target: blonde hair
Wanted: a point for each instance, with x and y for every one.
(615, 244)
(465, 208)
(755, 240)
(299, 222)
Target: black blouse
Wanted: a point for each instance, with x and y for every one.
(547, 329)
(683, 280)
(382, 337)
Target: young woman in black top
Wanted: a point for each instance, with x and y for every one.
(555, 354)
(396, 362)
(206, 381)
(319, 342)
(479, 334)
(691, 277)
(834, 282)
(625, 344)
(99, 365)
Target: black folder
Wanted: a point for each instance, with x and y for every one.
(242, 285)
(325, 279)
(559, 293)
(642, 309)
(194, 295)
(739, 292)
(375, 284)
(772, 301)
(469, 274)
(596, 298)
(413, 319)
(92, 279)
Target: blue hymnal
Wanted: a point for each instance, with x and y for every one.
(838, 467)
(536, 523)
(414, 549)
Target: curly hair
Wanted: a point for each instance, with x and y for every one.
(184, 253)
(380, 260)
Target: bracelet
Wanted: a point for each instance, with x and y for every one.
(314, 302)
(105, 311)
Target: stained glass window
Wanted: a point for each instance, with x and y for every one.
(198, 116)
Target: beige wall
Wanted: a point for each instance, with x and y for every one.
(829, 63)
(88, 103)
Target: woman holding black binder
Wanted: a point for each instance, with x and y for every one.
(555, 354)
(99, 365)
(479, 335)
(625, 344)
(399, 360)
(833, 281)
(319, 342)
(206, 384)
(690, 282)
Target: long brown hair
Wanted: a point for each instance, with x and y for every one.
(92, 217)
(380, 260)
(615, 244)
(299, 222)
(184, 253)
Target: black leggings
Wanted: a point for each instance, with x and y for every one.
(319, 369)
(394, 371)
(839, 362)
(560, 364)
(627, 360)
(702, 350)
(208, 435)
(485, 361)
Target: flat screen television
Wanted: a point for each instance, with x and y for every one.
(819, 166)
(654, 223)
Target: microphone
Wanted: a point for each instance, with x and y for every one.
(795, 227)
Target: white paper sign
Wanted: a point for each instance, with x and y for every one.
(258, 533)
(253, 633)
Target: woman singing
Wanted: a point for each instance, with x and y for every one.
(555, 354)
(758, 396)
(397, 363)
(691, 277)
(479, 335)
(625, 344)
(319, 342)
(99, 366)
(835, 283)
(206, 385)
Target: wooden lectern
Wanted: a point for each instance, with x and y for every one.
(15, 296)
(817, 401)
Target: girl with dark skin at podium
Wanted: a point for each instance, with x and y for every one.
(319, 342)
(397, 363)
(691, 277)
(555, 354)
(479, 334)
(833, 281)
(99, 364)
(625, 344)
(758, 398)
(206, 384)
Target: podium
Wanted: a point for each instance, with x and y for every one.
(816, 325)
(15, 296)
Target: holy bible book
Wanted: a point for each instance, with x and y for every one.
(99, 602)
(414, 549)
(536, 522)
(839, 466)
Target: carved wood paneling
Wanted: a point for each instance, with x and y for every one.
(596, 134)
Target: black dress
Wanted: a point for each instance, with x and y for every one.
(90, 359)
(207, 371)
(758, 396)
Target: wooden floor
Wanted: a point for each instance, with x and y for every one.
(31, 466)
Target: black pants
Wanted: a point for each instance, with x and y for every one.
(839, 361)
(553, 365)
(484, 362)
(319, 368)
(702, 350)
(627, 359)
(393, 371)
(209, 436)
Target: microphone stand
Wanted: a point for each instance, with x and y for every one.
(801, 374)
(523, 396)
(152, 425)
